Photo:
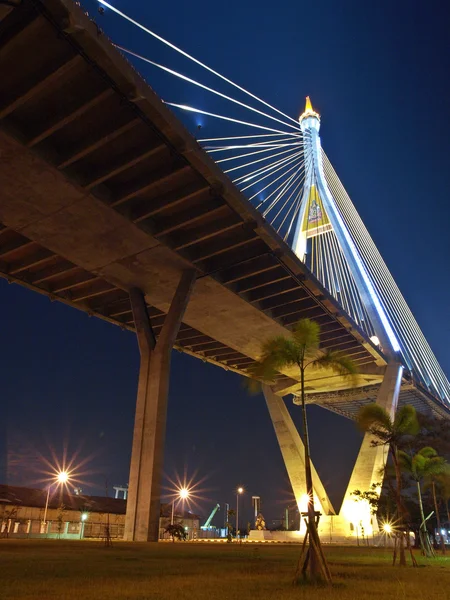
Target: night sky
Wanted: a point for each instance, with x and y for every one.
(379, 75)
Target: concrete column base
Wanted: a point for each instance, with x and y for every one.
(333, 529)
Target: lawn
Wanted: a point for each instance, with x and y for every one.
(60, 570)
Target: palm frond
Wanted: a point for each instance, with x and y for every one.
(307, 335)
(405, 422)
(425, 464)
(263, 371)
(405, 461)
(418, 465)
(338, 363)
(441, 481)
(277, 353)
(427, 452)
(374, 416)
(435, 466)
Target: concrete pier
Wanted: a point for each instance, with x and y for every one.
(354, 520)
(143, 505)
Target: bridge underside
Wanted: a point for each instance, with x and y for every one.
(348, 402)
(103, 190)
(103, 193)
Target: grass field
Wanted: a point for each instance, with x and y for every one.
(60, 570)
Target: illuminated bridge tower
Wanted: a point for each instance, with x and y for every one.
(319, 216)
(323, 241)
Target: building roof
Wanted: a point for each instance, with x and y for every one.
(166, 511)
(36, 498)
(11, 495)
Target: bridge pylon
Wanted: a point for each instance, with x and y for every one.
(319, 215)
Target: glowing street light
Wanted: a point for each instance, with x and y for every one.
(183, 494)
(239, 491)
(387, 528)
(61, 478)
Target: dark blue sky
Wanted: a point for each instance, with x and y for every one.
(378, 74)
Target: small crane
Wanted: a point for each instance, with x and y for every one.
(210, 518)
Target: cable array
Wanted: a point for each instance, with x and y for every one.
(268, 160)
(415, 349)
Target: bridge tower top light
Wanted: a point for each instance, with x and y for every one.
(309, 119)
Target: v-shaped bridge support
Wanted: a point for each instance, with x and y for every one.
(293, 451)
(354, 517)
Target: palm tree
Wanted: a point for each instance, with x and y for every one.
(176, 530)
(440, 486)
(302, 350)
(230, 514)
(375, 420)
(424, 464)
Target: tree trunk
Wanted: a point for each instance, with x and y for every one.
(425, 542)
(438, 518)
(401, 520)
(313, 558)
(316, 563)
(308, 473)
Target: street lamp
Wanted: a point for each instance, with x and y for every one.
(239, 491)
(61, 478)
(387, 528)
(183, 494)
(84, 517)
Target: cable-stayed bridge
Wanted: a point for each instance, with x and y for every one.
(279, 170)
(111, 206)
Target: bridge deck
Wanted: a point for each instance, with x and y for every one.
(103, 189)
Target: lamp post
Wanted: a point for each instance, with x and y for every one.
(61, 477)
(239, 491)
(84, 517)
(183, 493)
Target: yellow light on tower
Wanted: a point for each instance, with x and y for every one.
(240, 490)
(309, 111)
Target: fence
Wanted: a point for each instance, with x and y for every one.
(33, 528)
